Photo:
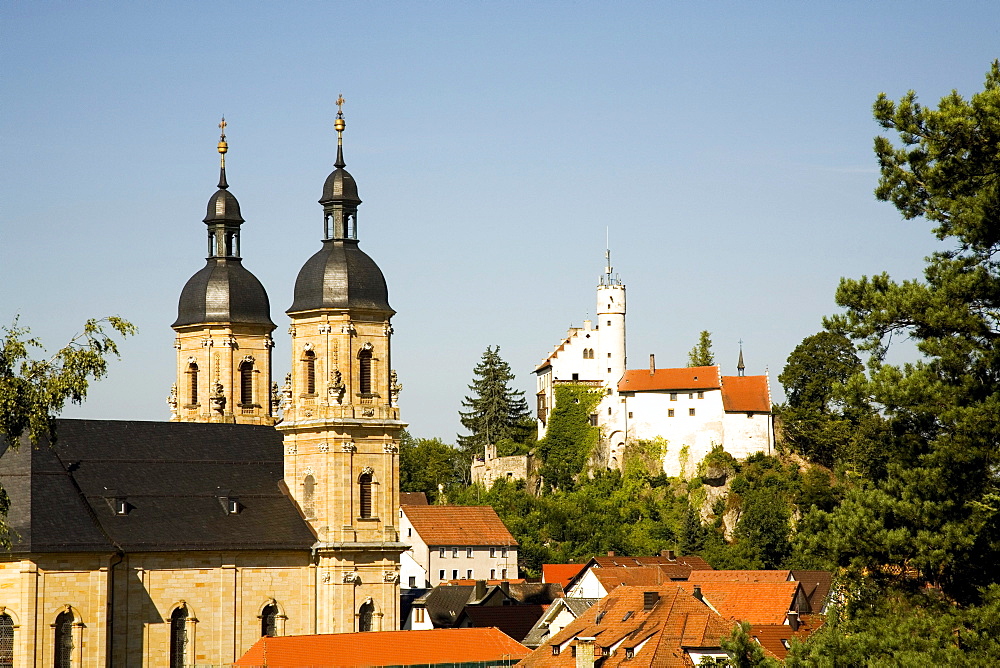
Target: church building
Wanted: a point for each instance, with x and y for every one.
(256, 510)
(692, 409)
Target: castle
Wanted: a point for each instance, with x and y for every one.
(181, 543)
(692, 409)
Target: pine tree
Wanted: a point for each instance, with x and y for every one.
(701, 354)
(495, 411)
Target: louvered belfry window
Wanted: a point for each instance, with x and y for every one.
(6, 641)
(246, 383)
(64, 640)
(365, 495)
(193, 376)
(365, 372)
(178, 637)
(310, 360)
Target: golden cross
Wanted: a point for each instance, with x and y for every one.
(340, 104)
(222, 126)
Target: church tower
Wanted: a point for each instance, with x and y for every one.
(611, 360)
(223, 327)
(341, 421)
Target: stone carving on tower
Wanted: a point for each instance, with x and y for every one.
(340, 423)
(223, 327)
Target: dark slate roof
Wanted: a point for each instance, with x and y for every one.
(223, 207)
(223, 292)
(514, 620)
(340, 276)
(340, 186)
(171, 474)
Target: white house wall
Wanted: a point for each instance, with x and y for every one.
(747, 433)
(588, 586)
(698, 433)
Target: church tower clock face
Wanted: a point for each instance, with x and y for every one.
(341, 420)
(223, 327)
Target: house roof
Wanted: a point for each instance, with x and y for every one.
(816, 587)
(514, 620)
(658, 636)
(613, 571)
(458, 525)
(541, 630)
(749, 394)
(383, 648)
(739, 576)
(691, 562)
(754, 602)
(172, 476)
(685, 378)
(412, 499)
(561, 573)
(772, 637)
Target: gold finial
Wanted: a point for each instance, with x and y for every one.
(223, 146)
(339, 124)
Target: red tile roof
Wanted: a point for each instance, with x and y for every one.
(458, 525)
(686, 378)
(658, 636)
(772, 637)
(754, 602)
(745, 394)
(383, 648)
(739, 576)
(561, 573)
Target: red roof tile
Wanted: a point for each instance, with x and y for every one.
(754, 602)
(746, 394)
(685, 378)
(561, 573)
(772, 637)
(383, 648)
(458, 525)
(739, 576)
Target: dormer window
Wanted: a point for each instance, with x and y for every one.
(118, 502)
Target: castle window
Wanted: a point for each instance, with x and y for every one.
(593, 419)
(670, 412)
(246, 383)
(365, 495)
(310, 363)
(673, 396)
(64, 640)
(576, 376)
(365, 372)
(269, 620)
(193, 382)
(691, 412)
(308, 495)
(701, 395)
(365, 614)
(178, 637)
(6, 641)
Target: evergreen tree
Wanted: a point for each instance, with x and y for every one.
(495, 411)
(934, 514)
(701, 354)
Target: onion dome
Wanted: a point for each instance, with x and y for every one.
(340, 275)
(223, 292)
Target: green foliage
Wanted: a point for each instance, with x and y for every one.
(900, 627)
(570, 438)
(425, 463)
(929, 509)
(33, 392)
(743, 651)
(701, 354)
(495, 411)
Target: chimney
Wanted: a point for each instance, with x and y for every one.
(649, 599)
(793, 620)
(669, 554)
(652, 364)
(611, 553)
(697, 593)
(585, 652)
(480, 589)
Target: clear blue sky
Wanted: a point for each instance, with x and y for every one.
(727, 146)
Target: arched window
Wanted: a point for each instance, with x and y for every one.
(64, 640)
(193, 384)
(246, 383)
(269, 620)
(365, 495)
(365, 614)
(178, 636)
(308, 494)
(365, 372)
(310, 361)
(6, 641)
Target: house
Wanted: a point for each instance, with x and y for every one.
(442, 606)
(815, 585)
(637, 626)
(555, 618)
(691, 408)
(561, 573)
(473, 647)
(454, 542)
(601, 575)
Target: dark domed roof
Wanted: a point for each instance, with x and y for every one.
(223, 292)
(340, 275)
(340, 186)
(223, 207)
